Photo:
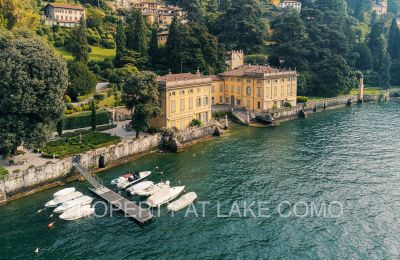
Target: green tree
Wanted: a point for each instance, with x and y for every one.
(153, 49)
(139, 39)
(394, 40)
(141, 95)
(364, 61)
(32, 86)
(94, 18)
(93, 122)
(120, 41)
(60, 126)
(334, 77)
(78, 42)
(240, 26)
(82, 81)
(174, 45)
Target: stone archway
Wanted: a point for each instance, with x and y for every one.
(102, 161)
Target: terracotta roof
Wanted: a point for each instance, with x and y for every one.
(66, 6)
(249, 70)
(179, 77)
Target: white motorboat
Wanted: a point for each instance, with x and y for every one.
(182, 202)
(123, 177)
(84, 200)
(164, 195)
(77, 212)
(140, 186)
(64, 192)
(59, 200)
(136, 178)
(153, 189)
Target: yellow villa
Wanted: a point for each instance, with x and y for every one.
(184, 97)
(256, 88)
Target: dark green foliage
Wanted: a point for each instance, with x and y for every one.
(82, 81)
(395, 73)
(78, 42)
(3, 173)
(153, 49)
(60, 125)
(394, 40)
(364, 61)
(120, 41)
(32, 86)
(81, 120)
(195, 122)
(93, 117)
(142, 96)
(240, 26)
(334, 77)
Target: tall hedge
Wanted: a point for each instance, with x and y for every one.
(82, 120)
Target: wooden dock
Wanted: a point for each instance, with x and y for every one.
(130, 208)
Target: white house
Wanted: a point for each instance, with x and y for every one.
(291, 4)
(63, 14)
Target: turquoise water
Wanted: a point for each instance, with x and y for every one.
(347, 159)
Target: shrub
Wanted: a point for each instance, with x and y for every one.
(85, 107)
(67, 99)
(288, 104)
(16, 171)
(109, 92)
(82, 120)
(153, 130)
(3, 173)
(68, 112)
(195, 122)
(11, 162)
(301, 99)
(100, 96)
(70, 106)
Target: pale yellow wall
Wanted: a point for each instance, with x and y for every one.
(181, 105)
(256, 94)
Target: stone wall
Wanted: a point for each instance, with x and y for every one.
(17, 184)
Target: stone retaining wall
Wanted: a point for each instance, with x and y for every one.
(17, 184)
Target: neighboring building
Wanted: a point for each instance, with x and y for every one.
(291, 4)
(63, 14)
(398, 21)
(162, 37)
(123, 4)
(256, 88)
(156, 12)
(380, 7)
(184, 97)
(235, 59)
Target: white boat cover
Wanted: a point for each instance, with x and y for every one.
(59, 200)
(182, 202)
(84, 200)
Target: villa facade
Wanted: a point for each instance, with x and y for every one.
(184, 97)
(256, 88)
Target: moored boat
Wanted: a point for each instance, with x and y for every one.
(63, 192)
(84, 200)
(59, 200)
(182, 202)
(77, 212)
(164, 195)
(153, 189)
(140, 186)
(123, 177)
(136, 178)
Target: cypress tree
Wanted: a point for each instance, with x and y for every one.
(153, 49)
(78, 43)
(174, 45)
(120, 41)
(394, 40)
(139, 39)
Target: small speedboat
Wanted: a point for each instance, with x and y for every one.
(164, 195)
(77, 212)
(140, 186)
(136, 178)
(59, 200)
(84, 200)
(64, 192)
(153, 189)
(125, 176)
(182, 202)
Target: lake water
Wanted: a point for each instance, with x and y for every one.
(324, 187)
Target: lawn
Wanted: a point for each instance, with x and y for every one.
(97, 54)
(367, 91)
(71, 146)
(108, 102)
